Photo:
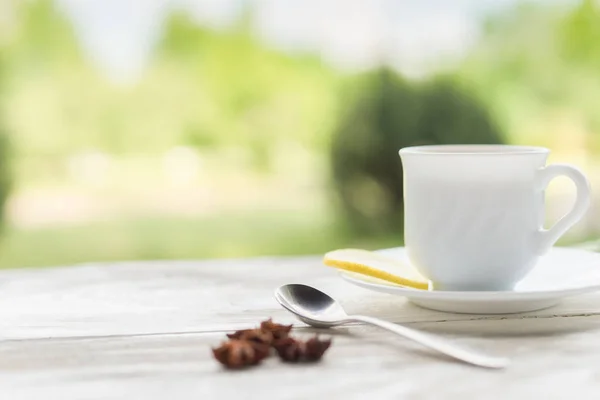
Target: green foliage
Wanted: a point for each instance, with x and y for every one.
(245, 234)
(44, 40)
(536, 67)
(5, 152)
(580, 34)
(451, 115)
(6, 182)
(389, 114)
(248, 96)
(209, 89)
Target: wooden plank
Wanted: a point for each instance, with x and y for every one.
(170, 297)
(553, 358)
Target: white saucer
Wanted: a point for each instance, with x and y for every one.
(563, 272)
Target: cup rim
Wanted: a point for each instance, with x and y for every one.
(473, 150)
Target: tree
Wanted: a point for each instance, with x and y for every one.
(388, 114)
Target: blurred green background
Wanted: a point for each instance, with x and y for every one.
(208, 129)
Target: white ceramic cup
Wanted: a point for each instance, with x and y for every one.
(474, 214)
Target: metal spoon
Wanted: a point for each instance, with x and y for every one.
(320, 310)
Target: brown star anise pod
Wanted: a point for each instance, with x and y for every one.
(240, 353)
(253, 335)
(315, 348)
(289, 349)
(293, 350)
(277, 330)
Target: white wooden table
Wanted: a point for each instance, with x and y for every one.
(144, 331)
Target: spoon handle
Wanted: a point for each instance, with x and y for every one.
(437, 343)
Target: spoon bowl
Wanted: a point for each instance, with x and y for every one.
(320, 310)
(311, 305)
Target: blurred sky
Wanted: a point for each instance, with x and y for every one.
(118, 35)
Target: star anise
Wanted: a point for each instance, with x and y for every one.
(315, 348)
(240, 353)
(277, 330)
(289, 349)
(293, 350)
(253, 335)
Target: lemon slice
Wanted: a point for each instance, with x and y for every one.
(374, 265)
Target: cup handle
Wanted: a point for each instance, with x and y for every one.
(548, 237)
